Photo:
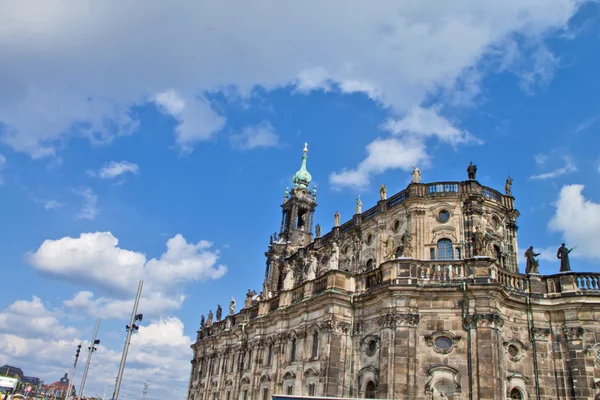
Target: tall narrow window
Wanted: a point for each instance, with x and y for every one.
(245, 394)
(228, 395)
(315, 345)
(432, 254)
(444, 249)
(269, 355)
(457, 253)
(266, 393)
(249, 365)
(293, 351)
(290, 389)
(311, 389)
(232, 363)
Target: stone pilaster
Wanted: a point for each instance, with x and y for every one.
(487, 328)
(405, 357)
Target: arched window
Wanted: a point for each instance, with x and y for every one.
(315, 345)
(444, 249)
(371, 391)
(293, 351)
(370, 264)
(515, 394)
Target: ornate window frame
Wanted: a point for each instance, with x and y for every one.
(366, 375)
(442, 372)
(515, 344)
(365, 343)
(517, 381)
(311, 376)
(430, 339)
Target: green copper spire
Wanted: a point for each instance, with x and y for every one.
(302, 178)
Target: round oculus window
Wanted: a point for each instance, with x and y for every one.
(443, 216)
(513, 352)
(396, 226)
(369, 239)
(443, 343)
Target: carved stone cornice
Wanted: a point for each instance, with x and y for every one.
(387, 321)
(484, 320)
(573, 332)
(391, 320)
(540, 333)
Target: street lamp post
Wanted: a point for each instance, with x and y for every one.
(92, 348)
(70, 387)
(132, 327)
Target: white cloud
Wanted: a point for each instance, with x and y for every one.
(159, 352)
(90, 63)
(32, 319)
(585, 125)
(427, 122)
(52, 204)
(382, 155)
(157, 303)
(406, 151)
(252, 137)
(197, 121)
(96, 259)
(2, 165)
(540, 159)
(89, 210)
(114, 169)
(566, 169)
(578, 221)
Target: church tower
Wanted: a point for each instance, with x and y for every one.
(297, 216)
(298, 208)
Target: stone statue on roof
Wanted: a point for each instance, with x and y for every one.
(532, 264)
(336, 219)
(382, 192)
(508, 186)
(358, 205)
(472, 171)
(232, 306)
(318, 231)
(416, 175)
(563, 255)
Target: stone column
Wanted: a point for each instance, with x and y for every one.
(578, 379)
(387, 335)
(404, 383)
(334, 372)
(487, 365)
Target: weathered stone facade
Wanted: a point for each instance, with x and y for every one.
(395, 304)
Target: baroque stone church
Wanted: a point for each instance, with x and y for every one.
(417, 297)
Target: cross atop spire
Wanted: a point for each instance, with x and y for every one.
(305, 147)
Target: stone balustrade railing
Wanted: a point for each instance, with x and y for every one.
(408, 272)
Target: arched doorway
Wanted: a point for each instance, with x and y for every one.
(370, 391)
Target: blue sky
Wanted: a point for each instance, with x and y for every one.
(157, 142)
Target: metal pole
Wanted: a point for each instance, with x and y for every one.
(126, 347)
(87, 364)
(70, 387)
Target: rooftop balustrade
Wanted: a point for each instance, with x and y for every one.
(419, 273)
